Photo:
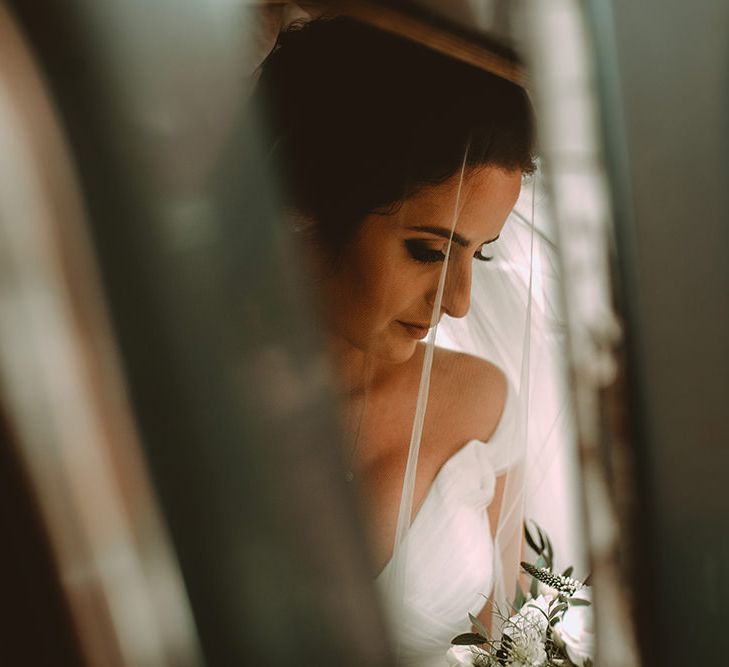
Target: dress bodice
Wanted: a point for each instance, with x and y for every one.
(447, 553)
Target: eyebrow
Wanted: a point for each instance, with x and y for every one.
(446, 234)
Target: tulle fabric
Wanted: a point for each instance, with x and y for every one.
(448, 550)
(445, 561)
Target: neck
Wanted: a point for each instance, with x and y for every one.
(353, 368)
(357, 372)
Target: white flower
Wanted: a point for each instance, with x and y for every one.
(543, 589)
(470, 656)
(576, 630)
(526, 633)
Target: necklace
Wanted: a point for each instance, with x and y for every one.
(349, 474)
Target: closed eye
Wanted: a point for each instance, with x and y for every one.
(422, 252)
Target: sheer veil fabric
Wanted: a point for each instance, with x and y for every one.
(513, 322)
(447, 557)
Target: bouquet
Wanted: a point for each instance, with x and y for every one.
(551, 625)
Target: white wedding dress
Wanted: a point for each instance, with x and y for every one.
(449, 550)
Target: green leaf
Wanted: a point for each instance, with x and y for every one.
(578, 602)
(562, 606)
(587, 581)
(476, 622)
(547, 550)
(550, 548)
(519, 597)
(529, 538)
(469, 639)
(534, 588)
(568, 571)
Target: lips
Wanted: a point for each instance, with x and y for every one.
(415, 329)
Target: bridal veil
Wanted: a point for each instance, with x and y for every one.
(513, 322)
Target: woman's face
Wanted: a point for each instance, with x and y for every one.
(381, 296)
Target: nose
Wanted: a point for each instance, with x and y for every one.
(457, 290)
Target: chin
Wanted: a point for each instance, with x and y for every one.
(388, 347)
(399, 352)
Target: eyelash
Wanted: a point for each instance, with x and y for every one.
(420, 252)
(481, 257)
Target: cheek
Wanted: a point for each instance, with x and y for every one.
(382, 289)
(377, 286)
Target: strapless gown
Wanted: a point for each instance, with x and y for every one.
(449, 550)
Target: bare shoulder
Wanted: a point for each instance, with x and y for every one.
(470, 389)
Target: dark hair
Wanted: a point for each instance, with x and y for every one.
(360, 119)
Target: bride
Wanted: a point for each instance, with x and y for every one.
(401, 167)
